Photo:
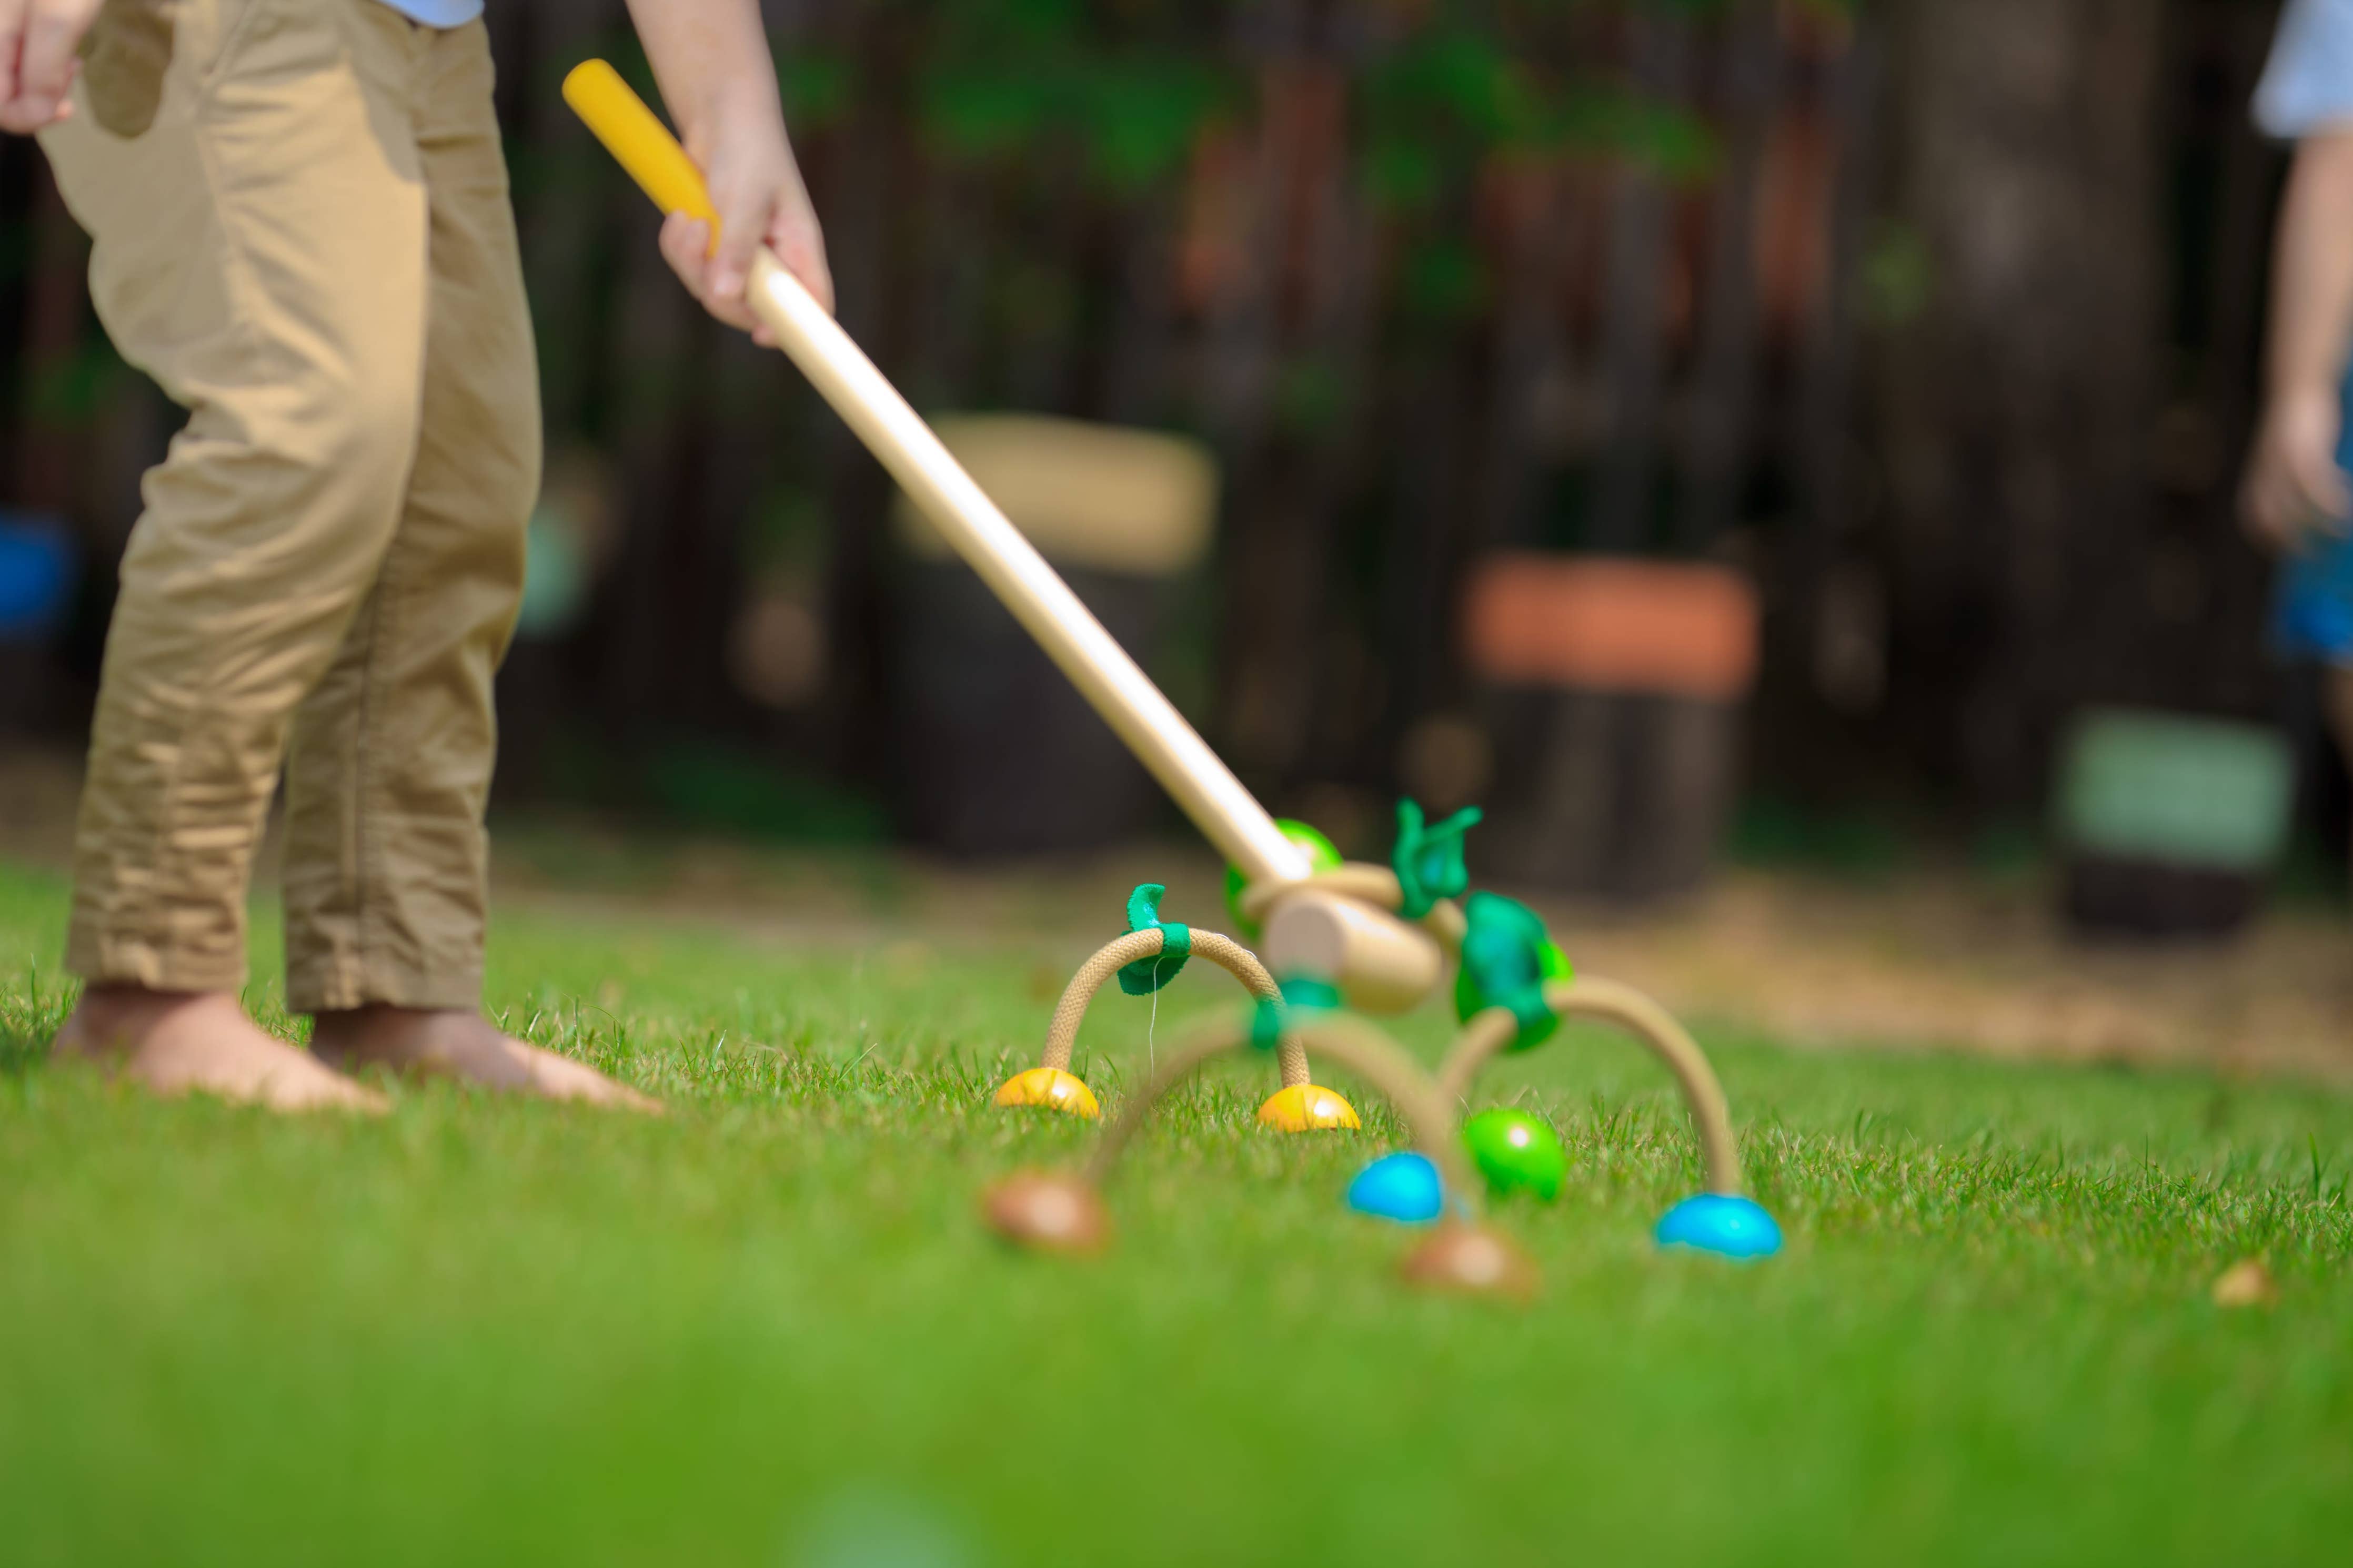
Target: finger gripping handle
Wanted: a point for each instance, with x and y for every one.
(639, 141)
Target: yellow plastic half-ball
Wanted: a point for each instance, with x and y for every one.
(1051, 1088)
(1303, 1108)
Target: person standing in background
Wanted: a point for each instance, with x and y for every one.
(2298, 499)
(301, 229)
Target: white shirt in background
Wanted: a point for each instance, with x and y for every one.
(2309, 82)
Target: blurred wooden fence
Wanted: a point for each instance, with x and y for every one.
(1586, 277)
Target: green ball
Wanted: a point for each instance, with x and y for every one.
(1516, 1152)
(1322, 855)
(1471, 1000)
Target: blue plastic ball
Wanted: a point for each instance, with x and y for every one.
(1719, 1222)
(1403, 1187)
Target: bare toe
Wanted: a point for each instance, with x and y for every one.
(449, 1042)
(561, 1078)
(307, 1085)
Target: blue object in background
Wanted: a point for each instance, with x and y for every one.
(1403, 1187)
(37, 576)
(2312, 609)
(1719, 1222)
(2312, 604)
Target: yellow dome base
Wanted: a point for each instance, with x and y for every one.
(1054, 1089)
(1303, 1108)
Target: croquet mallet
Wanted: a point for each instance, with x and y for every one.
(1332, 928)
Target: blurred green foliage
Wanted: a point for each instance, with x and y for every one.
(1136, 83)
(817, 87)
(1898, 273)
(1003, 81)
(706, 785)
(67, 392)
(1863, 845)
(1435, 91)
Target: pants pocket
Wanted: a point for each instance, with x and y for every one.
(124, 57)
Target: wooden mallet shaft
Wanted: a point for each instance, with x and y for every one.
(1201, 784)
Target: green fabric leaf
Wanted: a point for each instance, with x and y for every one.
(1429, 859)
(1146, 975)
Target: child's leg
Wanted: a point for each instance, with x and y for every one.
(390, 767)
(259, 250)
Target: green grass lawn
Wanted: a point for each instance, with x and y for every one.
(769, 1330)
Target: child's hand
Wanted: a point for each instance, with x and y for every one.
(37, 60)
(756, 188)
(2293, 485)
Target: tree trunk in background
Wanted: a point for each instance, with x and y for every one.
(2017, 389)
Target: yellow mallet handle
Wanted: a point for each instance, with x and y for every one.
(638, 141)
(1191, 773)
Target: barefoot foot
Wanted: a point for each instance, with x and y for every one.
(199, 1042)
(453, 1043)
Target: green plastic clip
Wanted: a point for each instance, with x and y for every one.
(1146, 975)
(1308, 992)
(1429, 859)
(1303, 992)
(1507, 959)
(1266, 1024)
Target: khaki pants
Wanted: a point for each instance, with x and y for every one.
(301, 229)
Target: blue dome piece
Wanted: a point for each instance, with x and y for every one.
(1403, 1187)
(1722, 1224)
(37, 576)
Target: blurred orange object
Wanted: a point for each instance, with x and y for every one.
(1600, 624)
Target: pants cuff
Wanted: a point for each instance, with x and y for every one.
(108, 958)
(327, 987)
